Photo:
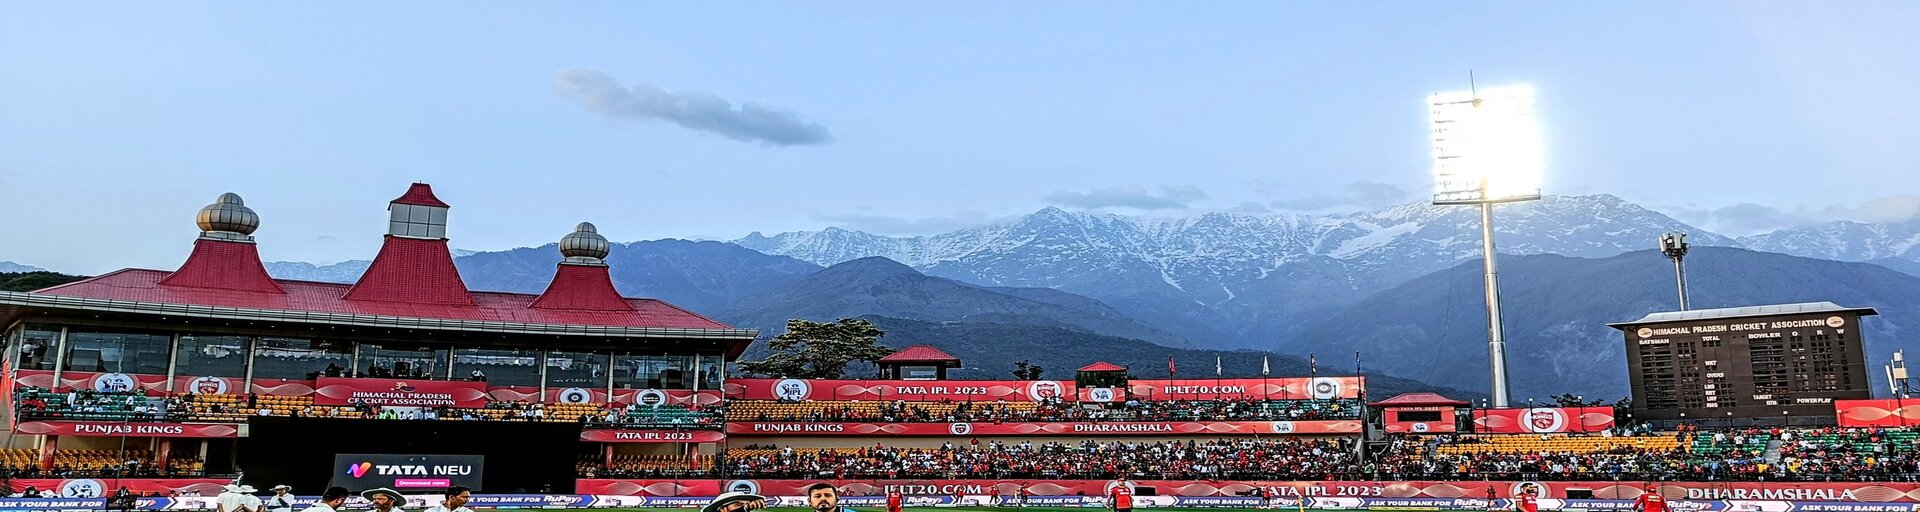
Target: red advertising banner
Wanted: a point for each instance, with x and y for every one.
(106, 486)
(1315, 427)
(1278, 388)
(282, 387)
(400, 392)
(1543, 420)
(1877, 412)
(608, 435)
(1618, 490)
(127, 429)
(114, 382)
(910, 390)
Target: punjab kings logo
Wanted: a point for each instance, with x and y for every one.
(960, 429)
(1646, 332)
(208, 386)
(1836, 322)
(113, 383)
(1546, 420)
(1324, 388)
(792, 389)
(1042, 389)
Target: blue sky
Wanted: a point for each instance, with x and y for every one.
(118, 121)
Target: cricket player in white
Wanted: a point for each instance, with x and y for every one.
(456, 501)
(331, 500)
(231, 500)
(282, 500)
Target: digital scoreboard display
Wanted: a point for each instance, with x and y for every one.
(406, 472)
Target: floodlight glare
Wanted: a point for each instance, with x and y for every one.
(1486, 146)
(1486, 150)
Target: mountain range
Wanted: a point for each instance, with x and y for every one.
(1398, 283)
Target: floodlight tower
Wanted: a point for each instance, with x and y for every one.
(1487, 151)
(1674, 245)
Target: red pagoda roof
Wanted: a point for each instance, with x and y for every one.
(143, 285)
(1417, 399)
(412, 270)
(919, 354)
(582, 287)
(420, 194)
(1103, 366)
(224, 265)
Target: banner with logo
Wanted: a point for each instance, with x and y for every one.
(209, 385)
(92, 488)
(1278, 388)
(651, 397)
(609, 435)
(1886, 412)
(909, 390)
(402, 472)
(1543, 420)
(108, 382)
(1312, 427)
(1328, 494)
(128, 429)
(400, 392)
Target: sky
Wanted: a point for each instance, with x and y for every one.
(119, 121)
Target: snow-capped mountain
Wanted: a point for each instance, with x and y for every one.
(1242, 280)
(1844, 241)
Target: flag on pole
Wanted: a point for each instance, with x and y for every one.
(1216, 365)
(1171, 370)
(1264, 369)
(1313, 365)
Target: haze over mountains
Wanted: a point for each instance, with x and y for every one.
(1399, 283)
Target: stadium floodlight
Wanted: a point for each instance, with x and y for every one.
(1486, 147)
(1487, 150)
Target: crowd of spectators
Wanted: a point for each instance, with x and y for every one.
(1057, 411)
(1215, 459)
(1764, 454)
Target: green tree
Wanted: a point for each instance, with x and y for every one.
(820, 350)
(1570, 400)
(1027, 371)
(29, 281)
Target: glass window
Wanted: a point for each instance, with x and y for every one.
(576, 370)
(298, 359)
(653, 372)
(35, 347)
(110, 352)
(211, 356)
(405, 362)
(498, 367)
(710, 370)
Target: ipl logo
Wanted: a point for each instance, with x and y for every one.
(1100, 394)
(792, 389)
(113, 383)
(83, 488)
(1283, 427)
(1543, 420)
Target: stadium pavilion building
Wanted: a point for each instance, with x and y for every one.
(408, 336)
